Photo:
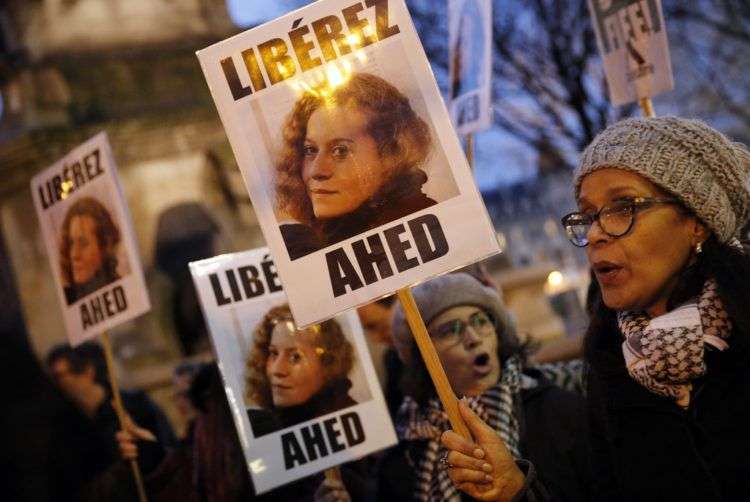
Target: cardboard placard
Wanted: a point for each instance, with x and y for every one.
(88, 234)
(470, 64)
(632, 39)
(347, 151)
(289, 393)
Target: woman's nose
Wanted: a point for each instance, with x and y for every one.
(596, 234)
(470, 337)
(321, 167)
(279, 367)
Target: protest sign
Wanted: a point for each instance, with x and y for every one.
(303, 400)
(358, 179)
(88, 234)
(470, 64)
(632, 40)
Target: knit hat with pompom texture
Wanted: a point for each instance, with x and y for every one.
(707, 171)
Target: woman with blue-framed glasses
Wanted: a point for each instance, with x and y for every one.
(661, 205)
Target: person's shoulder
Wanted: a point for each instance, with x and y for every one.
(299, 239)
(263, 421)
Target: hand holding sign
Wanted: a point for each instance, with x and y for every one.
(484, 467)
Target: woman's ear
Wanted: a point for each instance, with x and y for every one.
(699, 232)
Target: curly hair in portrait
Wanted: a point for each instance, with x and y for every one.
(398, 131)
(336, 353)
(107, 236)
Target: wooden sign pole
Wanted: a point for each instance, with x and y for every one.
(432, 361)
(120, 410)
(647, 107)
(470, 150)
(333, 474)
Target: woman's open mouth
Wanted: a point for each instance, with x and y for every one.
(482, 365)
(607, 272)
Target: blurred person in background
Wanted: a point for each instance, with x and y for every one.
(212, 468)
(661, 202)
(81, 374)
(182, 378)
(376, 319)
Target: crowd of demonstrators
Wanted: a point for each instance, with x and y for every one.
(661, 202)
(85, 430)
(475, 338)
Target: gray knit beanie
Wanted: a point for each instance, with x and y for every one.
(708, 172)
(442, 293)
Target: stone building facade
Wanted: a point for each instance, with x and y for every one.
(72, 68)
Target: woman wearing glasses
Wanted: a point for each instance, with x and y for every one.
(661, 204)
(474, 335)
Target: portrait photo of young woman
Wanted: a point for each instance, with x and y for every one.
(89, 243)
(351, 160)
(295, 375)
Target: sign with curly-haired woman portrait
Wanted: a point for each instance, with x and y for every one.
(90, 242)
(355, 172)
(302, 399)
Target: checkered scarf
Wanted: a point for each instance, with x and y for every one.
(495, 407)
(665, 353)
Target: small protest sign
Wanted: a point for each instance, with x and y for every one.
(470, 64)
(358, 179)
(88, 234)
(303, 400)
(632, 40)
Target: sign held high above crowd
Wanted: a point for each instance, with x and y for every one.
(347, 151)
(90, 242)
(632, 39)
(470, 64)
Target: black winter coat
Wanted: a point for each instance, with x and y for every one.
(553, 438)
(645, 447)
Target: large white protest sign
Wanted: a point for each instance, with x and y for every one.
(302, 400)
(470, 63)
(348, 153)
(632, 40)
(89, 237)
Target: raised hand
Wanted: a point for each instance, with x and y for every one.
(483, 468)
(129, 435)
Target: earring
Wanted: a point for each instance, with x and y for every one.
(699, 248)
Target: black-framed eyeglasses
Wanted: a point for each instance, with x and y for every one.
(614, 219)
(454, 332)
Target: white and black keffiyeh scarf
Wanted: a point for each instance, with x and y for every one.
(665, 353)
(496, 407)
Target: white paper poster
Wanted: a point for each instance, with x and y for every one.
(356, 175)
(88, 234)
(470, 64)
(632, 40)
(302, 400)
